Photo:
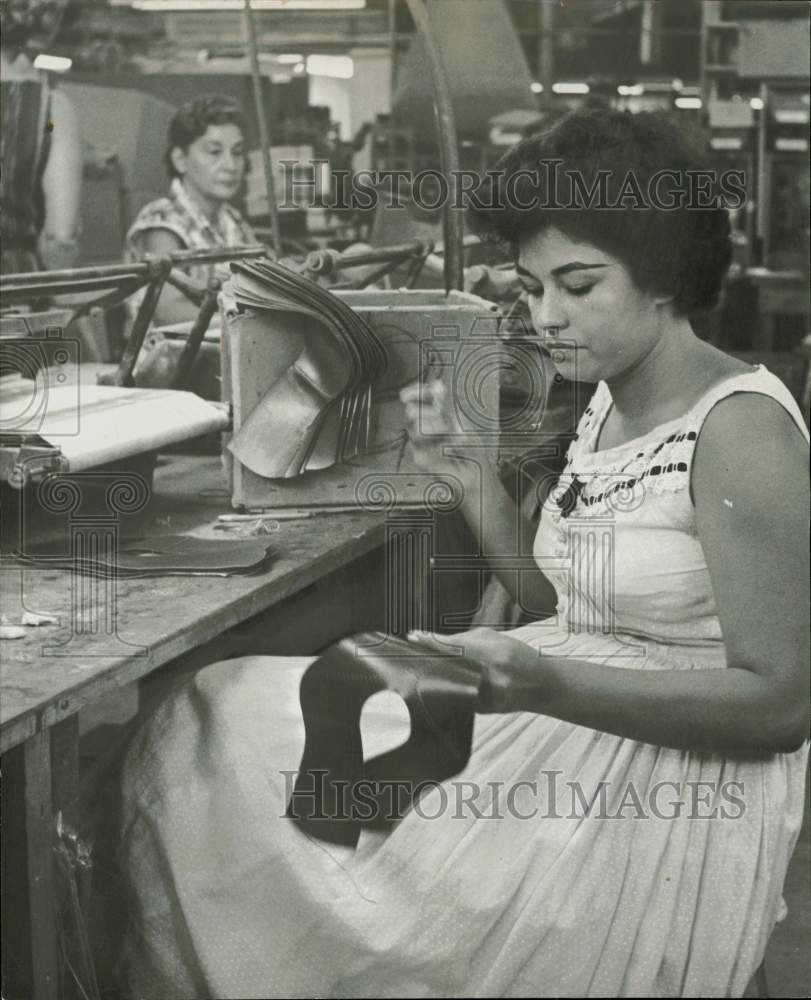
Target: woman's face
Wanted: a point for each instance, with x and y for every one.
(595, 323)
(214, 164)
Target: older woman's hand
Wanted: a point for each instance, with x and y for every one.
(513, 676)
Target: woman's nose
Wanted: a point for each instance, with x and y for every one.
(231, 160)
(547, 314)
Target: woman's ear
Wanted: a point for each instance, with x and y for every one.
(178, 158)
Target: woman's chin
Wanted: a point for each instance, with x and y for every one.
(224, 193)
(572, 365)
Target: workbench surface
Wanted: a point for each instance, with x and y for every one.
(160, 618)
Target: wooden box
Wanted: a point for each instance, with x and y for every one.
(454, 337)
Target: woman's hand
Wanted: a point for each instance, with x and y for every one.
(439, 442)
(513, 677)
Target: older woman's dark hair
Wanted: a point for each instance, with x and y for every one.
(193, 119)
(637, 186)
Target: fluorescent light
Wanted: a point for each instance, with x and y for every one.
(176, 6)
(535, 87)
(791, 116)
(659, 86)
(498, 138)
(756, 103)
(787, 145)
(59, 64)
(726, 142)
(341, 67)
(688, 103)
(570, 88)
(631, 90)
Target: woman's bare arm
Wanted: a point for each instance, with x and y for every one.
(750, 482)
(506, 537)
(505, 534)
(173, 306)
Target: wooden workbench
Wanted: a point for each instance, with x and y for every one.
(160, 618)
(324, 576)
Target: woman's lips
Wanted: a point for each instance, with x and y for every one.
(554, 349)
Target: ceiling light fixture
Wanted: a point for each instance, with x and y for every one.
(183, 6)
(570, 88)
(58, 64)
(340, 67)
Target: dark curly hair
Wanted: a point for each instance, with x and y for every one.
(596, 177)
(193, 119)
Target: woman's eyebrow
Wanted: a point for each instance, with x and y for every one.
(524, 273)
(575, 265)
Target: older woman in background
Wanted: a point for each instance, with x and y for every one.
(206, 161)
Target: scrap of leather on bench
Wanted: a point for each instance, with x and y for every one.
(162, 555)
(337, 792)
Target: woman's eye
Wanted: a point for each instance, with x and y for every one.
(580, 290)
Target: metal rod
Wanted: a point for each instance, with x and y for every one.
(390, 146)
(414, 271)
(264, 137)
(123, 374)
(36, 290)
(760, 254)
(198, 331)
(218, 255)
(546, 52)
(194, 293)
(137, 270)
(327, 261)
(380, 272)
(448, 147)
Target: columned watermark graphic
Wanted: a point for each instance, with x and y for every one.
(94, 503)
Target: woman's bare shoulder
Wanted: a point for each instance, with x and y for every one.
(724, 365)
(751, 439)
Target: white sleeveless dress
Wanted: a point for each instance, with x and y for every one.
(563, 862)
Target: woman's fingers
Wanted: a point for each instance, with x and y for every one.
(426, 410)
(424, 393)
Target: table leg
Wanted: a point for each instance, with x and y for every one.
(30, 952)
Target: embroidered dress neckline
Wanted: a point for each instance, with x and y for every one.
(655, 432)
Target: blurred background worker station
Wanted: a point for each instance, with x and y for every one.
(228, 245)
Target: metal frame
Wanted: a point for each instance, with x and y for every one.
(327, 262)
(116, 282)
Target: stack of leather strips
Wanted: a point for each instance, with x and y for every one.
(318, 412)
